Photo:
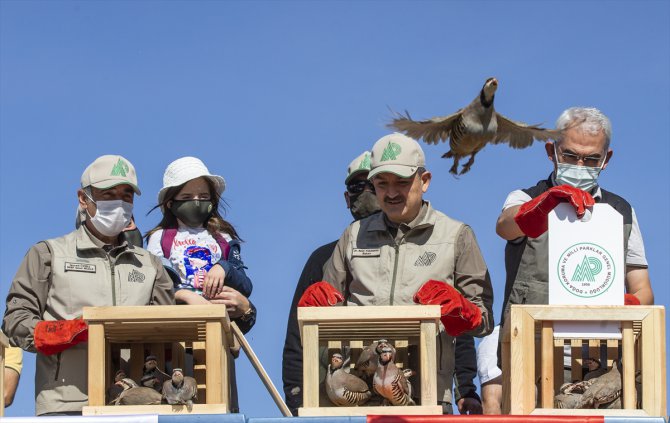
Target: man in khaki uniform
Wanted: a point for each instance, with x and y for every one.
(388, 258)
(91, 266)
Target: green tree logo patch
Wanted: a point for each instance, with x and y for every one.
(391, 151)
(120, 168)
(586, 270)
(365, 163)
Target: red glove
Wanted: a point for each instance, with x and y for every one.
(532, 216)
(459, 315)
(54, 336)
(320, 294)
(630, 299)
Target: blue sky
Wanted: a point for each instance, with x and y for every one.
(279, 96)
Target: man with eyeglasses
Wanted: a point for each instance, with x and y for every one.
(578, 158)
(410, 253)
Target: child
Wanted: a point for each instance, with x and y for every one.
(198, 244)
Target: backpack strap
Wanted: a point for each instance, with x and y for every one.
(167, 237)
(223, 244)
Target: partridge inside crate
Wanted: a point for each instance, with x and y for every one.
(411, 328)
(533, 359)
(165, 332)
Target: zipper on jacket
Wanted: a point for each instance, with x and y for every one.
(395, 271)
(113, 272)
(57, 366)
(396, 247)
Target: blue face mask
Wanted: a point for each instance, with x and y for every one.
(582, 177)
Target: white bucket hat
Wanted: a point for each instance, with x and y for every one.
(185, 169)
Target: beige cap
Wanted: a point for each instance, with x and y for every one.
(109, 171)
(185, 169)
(398, 154)
(359, 165)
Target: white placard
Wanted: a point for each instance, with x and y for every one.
(586, 265)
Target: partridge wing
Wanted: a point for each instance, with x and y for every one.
(519, 134)
(432, 131)
(190, 388)
(355, 384)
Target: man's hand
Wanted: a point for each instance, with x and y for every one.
(469, 406)
(320, 294)
(214, 280)
(54, 336)
(459, 315)
(236, 303)
(532, 216)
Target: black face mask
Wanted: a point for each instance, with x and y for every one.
(133, 236)
(192, 212)
(363, 205)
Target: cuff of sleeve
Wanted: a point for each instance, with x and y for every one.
(226, 266)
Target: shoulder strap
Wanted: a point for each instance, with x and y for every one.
(167, 237)
(225, 247)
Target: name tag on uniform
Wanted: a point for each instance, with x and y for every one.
(366, 252)
(79, 267)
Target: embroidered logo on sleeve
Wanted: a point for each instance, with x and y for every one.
(79, 267)
(136, 276)
(426, 259)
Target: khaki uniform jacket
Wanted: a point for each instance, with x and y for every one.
(59, 277)
(372, 267)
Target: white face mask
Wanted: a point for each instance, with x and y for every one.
(111, 217)
(582, 177)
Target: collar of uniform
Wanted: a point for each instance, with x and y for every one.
(426, 217)
(595, 192)
(86, 240)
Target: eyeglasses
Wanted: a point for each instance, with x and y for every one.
(359, 186)
(572, 158)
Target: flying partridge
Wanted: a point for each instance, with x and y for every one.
(471, 128)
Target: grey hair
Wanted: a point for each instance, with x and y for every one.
(589, 119)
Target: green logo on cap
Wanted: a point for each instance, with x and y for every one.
(365, 163)
(120, 168)
(391, 151)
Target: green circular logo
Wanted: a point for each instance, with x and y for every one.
(586, 270)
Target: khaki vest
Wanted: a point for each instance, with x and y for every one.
(83, 274)
(386, 273)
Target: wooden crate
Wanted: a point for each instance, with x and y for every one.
(529, 349)
(4, 343)
(332, 327)
(158, 329)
